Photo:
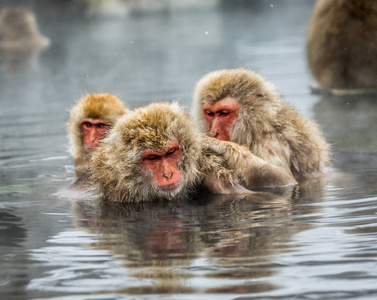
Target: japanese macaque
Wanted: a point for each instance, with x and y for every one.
(19, 30)
(156, 152)
(342, 45)
(91, 118)
(240, 106)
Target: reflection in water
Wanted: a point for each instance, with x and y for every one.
(183, 247)
(317, 243)
(12, 257)
(11, 233)
(255, 5)
(15, 62)
(349, 122)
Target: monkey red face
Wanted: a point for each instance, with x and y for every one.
(94, 131)
(163, 165)
(220, 117)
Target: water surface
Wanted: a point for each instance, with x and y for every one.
(317, 241)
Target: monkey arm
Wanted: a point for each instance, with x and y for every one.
(255, 171)
(222, 185)
(218, 178)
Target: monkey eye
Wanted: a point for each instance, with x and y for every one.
(171, 152)
(87, 124)
(152, 157)
(209, 113)
(223, 113)
(102, 125)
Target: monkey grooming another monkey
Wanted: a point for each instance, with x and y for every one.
(342, 46)
(240, 106)
(156, 152)
(91, 118)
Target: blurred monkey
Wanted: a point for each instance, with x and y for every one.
(342, 45)
(20, 40)
(91, 118)
(19, 29)
(240, 106)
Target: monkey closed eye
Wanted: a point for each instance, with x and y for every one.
(279, 145)
(152, 157)
(157, 172)
(223, 113)
(171, 152)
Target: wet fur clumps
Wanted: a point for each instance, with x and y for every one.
(117, 170)
(268, 126)
(19, 30)
(342, 45)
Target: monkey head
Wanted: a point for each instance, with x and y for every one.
(152, 152)
(235, 104)
(91, 118)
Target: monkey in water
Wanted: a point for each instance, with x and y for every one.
(156, 152)
(19, 30)
(91, 118)
(240, 106)
(342, 45)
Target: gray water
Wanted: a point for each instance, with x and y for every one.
(318, 241)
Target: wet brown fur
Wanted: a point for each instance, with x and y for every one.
(342, 44)
(106, 107)
(116, 170)
(19, 29)
(286, 145)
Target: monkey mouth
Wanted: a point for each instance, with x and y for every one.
(170, 187)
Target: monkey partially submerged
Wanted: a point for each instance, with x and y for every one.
(240, 106)
(156, 152)
(19, 30)
(342, 46)
(91, 118)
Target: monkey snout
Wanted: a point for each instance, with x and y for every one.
(213, 134)
(168, 175)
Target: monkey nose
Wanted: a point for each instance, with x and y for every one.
(168, 175)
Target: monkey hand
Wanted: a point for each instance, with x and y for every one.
(223, 148)
(225, 185)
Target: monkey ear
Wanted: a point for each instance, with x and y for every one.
(220, 185)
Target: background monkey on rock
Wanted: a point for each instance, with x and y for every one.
(156, 152)
(91, 118)
(240, 106)
(342, 44)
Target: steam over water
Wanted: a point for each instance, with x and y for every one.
(316, 241)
